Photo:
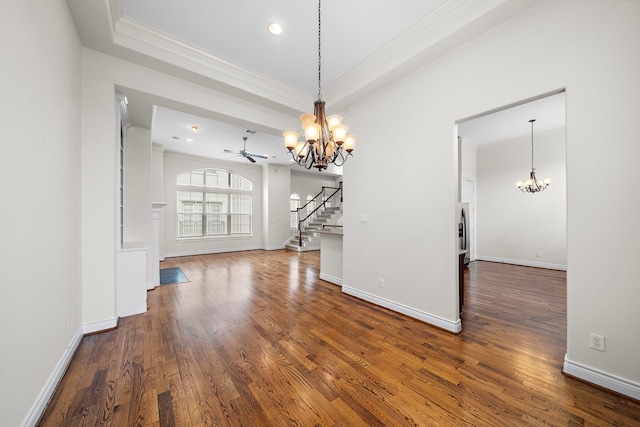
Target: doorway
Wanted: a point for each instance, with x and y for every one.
(497, 150)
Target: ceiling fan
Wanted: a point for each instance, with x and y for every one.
(244, 153)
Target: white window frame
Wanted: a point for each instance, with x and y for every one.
(228, 220)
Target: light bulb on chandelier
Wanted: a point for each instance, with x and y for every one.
(326, 138)
(533, 185)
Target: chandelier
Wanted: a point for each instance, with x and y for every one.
(326, 138)
(533, 185)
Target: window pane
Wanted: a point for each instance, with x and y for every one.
(189, 225)
(217, 178)
(210, 178)
(220, 199)
(240, 203)
(240, 183)
(216, 224)
(197, 177)
(240, 224)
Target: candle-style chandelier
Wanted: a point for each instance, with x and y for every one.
(533, 185)
(326, 138)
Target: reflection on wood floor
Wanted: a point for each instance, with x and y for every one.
(256, 339)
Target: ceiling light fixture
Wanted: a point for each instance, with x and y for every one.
(326, 138)
(532, 185)
(275, 28)
(195, 128)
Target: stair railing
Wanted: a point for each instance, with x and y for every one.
(326, 201)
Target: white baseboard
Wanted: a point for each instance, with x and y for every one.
(448, 325)
(522, 262)
(151, 286)
(49, 388)
(331, 279)
(211, 251)
(602, 379)
(103, 325)
(274, 248)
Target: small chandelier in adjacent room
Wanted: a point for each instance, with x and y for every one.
(326, 138)
(533, 185)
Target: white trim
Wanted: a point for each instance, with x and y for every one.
(150, 286)
(448, 325)
(274, 248)
(144, 39)
(103, 325)
(603, 379)
(522, 262)
(211, 251)
(452, 24)
(52, 382)
(331, 279)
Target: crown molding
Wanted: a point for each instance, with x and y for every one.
(452, 24)
(138, 37)
(117, 11)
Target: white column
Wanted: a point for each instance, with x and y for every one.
(155, 250)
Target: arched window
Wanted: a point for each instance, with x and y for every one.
(213, 202)
(311, 205)
(294, 204)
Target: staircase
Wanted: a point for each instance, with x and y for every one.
(326, 214)
(310, 236)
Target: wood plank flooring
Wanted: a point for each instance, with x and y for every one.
(256, 339)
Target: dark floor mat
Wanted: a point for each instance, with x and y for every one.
(172, 275)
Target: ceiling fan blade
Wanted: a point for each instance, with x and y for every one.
(260, 156)
(250, 158)
(232, 152)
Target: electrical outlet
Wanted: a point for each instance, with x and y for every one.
(596, 342)
(380, 283)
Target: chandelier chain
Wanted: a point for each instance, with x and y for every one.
(531, 121)
(319, 55)
(326, 140)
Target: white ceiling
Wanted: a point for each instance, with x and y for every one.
(512, 122)
(364, 46)
(236, 31)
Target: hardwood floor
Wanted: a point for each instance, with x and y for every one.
(256, 339)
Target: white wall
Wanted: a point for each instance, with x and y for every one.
(305, 184)
(175, 164)
(413, 249)
(40, 320)
(276, 191)
(513, 226)
(468, 160)
(138, 192)
(157, 180)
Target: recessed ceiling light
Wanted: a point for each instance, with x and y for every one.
(189, 140)
(195, 128)
(275, 28)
